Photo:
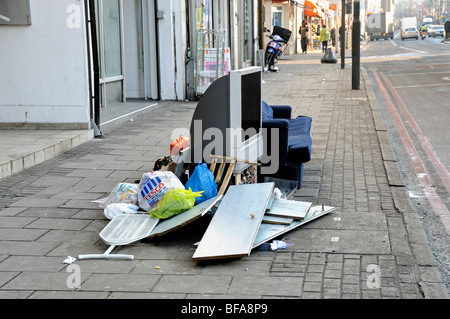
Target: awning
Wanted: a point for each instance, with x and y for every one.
(312, 10)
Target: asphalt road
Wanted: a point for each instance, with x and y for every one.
(411, 79)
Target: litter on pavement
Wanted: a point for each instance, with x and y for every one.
(244, 216)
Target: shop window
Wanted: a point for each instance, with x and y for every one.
(277, 16)
(110, 38)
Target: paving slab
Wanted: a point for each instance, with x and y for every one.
(120, 282)
(34, 281)
(275, 287)
(339, 241)
(193, 284)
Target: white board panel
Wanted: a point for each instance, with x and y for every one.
(233, 229)
(268, 232)
(289, 208)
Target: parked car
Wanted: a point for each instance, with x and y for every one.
(410, 32)
(436, 30)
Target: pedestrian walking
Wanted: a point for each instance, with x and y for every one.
(324, 37)
(447, 30)
(333, 37)
(304, 37)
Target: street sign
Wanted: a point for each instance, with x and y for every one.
(15, 12)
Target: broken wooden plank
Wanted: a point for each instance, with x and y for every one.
(227, 178)
(268, 232)
(233, 229)
(277, 220)
(178, 221)
(289, 209)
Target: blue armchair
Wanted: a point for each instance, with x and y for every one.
(294, 143)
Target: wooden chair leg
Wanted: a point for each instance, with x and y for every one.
(212, 168)
(220, 172)
(227, 178)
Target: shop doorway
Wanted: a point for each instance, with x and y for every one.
(127, 50)
(140, 51)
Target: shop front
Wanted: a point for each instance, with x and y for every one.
(222, 36)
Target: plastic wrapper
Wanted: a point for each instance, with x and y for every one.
(179, 145)
(174, 202)
(123, 193)
(116, 209)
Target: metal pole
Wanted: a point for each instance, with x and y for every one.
(92, 36)
(356, 47)
(342, 36)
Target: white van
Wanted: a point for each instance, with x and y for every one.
(409, 22)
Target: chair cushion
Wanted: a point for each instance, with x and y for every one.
(267, 112)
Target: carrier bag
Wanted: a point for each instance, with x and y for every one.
(123, 193)
(202, 180)
(153, 187)
(174, 202)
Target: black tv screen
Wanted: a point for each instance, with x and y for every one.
(251, 104)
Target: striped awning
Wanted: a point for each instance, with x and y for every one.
(312, 9)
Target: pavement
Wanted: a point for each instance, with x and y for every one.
(372, 247)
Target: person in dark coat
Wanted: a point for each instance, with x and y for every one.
(304, 34)
(447, 30)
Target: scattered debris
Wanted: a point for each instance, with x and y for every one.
(278, 244)
(69, 260)
(117, 209)
(245, 216)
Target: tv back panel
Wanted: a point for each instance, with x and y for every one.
(232, 106)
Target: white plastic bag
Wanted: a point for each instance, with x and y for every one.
(123, 193)
(116, 209)
(154, 186)
(278, 244)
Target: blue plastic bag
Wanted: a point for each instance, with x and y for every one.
(202, 180)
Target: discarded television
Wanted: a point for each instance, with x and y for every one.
(228, 119)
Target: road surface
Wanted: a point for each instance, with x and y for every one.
(411, 79)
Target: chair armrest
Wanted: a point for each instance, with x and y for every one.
(282, 111)
(300, 150)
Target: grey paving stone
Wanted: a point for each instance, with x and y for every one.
(120, 282)
(39, 281)
(25, 248)
(14, 221)
(58, 223)
(68, 295)
(266, 286)
(38, 202)
(193, 284)
(21, 234)
(6, 276)
(318, 240)
(32, 263)
(167, 267)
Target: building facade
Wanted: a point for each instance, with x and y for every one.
(63, 62)
(71, 55)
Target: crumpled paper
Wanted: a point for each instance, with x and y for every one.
(69, 260)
